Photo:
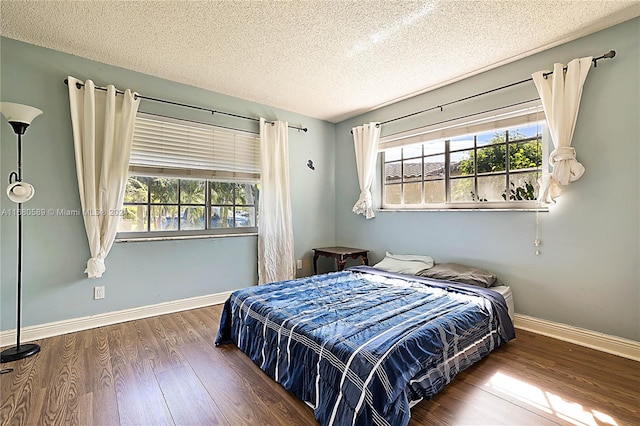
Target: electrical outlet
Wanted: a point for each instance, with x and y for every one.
(98, 292)
(299, 264)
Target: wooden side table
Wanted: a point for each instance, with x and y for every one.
(341, 254)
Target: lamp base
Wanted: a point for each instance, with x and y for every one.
(15, 353)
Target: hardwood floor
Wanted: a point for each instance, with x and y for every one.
(165, 370)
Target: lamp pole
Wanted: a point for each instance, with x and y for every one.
(19, 117)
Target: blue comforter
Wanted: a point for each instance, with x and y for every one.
(361, 345)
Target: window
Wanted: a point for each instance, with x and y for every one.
(496, 168)
(190, 179)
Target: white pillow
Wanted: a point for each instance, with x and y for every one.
(404, 263)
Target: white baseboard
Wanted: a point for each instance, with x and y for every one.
(42, 331)
(591, 339)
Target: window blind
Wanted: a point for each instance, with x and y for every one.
(507, 117)
(170, 147)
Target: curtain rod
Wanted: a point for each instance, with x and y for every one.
(212, 111)
(200, 122)
(467, 116)
(610, 54)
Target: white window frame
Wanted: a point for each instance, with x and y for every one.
(167, 147)
(497, 120)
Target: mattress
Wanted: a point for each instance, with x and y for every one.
(505, 291)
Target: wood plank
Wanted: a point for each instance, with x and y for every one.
(187, 399)
(12, 386)
(570, 384)
(191, 328)
(140, 400)
(138, 395)
(225, 387)
(105, 407)
(464, 404)
(266, 389)
(97, 360)
(60, 387)
(83, 415)
(35, 403)
(158, 347)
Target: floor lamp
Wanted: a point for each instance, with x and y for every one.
(19, 117)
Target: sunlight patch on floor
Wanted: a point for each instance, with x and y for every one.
(548, 402)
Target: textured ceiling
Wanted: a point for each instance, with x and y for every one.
(326, 59)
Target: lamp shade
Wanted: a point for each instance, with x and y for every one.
(20, 192)
(18, 113)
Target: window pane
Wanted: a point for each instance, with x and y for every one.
(246, 193)
(136, 190)
(245, 216)
(463, 142)
(461, 163)
(392, 194)
(525, 155)
(392, 172)
(491, 188)
(525, 131)
(393, 154)
(479, 169)
(434, 147)
(412, 151)
(462, 190)
(164, 218)
(491, 159)
(434, 167)
(222, 193)
(134, 219)
(412, 170)
(192, 191)
(191, 217)
(221, 217)
(434, 191)
(489, 138)
(523, 186)
(413, 193)
(164, 190)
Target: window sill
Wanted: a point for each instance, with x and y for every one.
(465, 209)
(182, 237)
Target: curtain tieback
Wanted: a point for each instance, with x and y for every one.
(566, 168)
(364, 204)
(562, 153)
(365, 199)
(95, 267)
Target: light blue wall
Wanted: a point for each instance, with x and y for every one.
(588, 273)
(138, 274)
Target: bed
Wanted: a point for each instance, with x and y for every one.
(361, 346)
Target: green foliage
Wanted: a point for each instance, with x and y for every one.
(164, 190)
(521, 193)
(492, 158)
(163, 194)
(136, 190)
(192, 191)
(474, 197)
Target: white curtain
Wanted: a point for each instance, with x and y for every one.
(102, 133)
(560, 93)
(365, 141)
(276, 259)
